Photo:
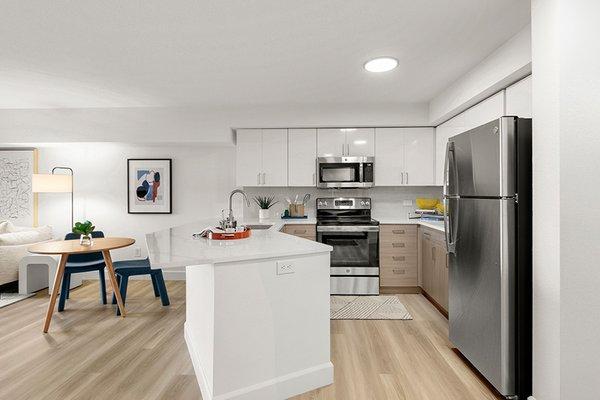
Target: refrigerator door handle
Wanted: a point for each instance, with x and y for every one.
(449, 227)
(450, 151)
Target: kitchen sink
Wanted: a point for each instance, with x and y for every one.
(258, 227)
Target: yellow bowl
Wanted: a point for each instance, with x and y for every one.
(440, 208)
(426, 204)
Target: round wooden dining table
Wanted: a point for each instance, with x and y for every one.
(65, 248)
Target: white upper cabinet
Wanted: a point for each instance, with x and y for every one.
(360, 142)
(331, 143)
(518, 98)
(479, 114)
(248, 157)
(302, 157)
(404, 156)
(418, 156)
(346, 142)
(274, 157)
(261, 157)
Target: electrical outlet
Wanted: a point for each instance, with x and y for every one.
(137, 252)
(407, 202)
(285, 267)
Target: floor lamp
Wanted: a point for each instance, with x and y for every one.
(54, 183)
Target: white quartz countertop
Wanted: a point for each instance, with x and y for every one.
(175, 247)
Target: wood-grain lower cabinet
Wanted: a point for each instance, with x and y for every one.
(434, 266)
(398, 256)
(306, 231)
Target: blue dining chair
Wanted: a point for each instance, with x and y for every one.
(79, 263)
(128, 268)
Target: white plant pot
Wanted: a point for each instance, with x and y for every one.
(263, 214)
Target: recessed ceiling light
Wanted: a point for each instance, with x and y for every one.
(381, 64)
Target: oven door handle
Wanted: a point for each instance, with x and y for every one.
(353, 228)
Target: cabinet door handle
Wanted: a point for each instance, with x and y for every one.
(398, 258)
(427, 234)
(398, 245)
(402, 178)
(297, 232)
(347, 149)
(343, 151)
(433, 253)
(406, 177)
(398, 231)
(314, 178)
(399, 271)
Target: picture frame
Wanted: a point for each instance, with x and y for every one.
(18, 203)
(149, 186)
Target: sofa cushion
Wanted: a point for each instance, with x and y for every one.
(33, 235)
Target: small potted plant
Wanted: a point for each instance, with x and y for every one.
(264, 203)
(84, 229)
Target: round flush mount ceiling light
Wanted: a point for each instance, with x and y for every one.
(381, 64)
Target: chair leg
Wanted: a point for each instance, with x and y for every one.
(63, 292)
(102, 286)
(114, 298)
(68, 286)
(154, 284)
(162, 288)
(123, 290)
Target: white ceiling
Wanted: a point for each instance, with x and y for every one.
(90, 53)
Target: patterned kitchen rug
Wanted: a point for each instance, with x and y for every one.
(10, 298)
(368, 307)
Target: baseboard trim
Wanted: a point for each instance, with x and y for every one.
(281, 387)
(399, 290)
(437, 305)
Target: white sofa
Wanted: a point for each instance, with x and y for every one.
(14, 242)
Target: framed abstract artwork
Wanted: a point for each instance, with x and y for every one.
(149, 186)
(18, 203)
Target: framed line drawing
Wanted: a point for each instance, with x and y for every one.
(149, 186)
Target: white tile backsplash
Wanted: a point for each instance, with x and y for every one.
(387, 201)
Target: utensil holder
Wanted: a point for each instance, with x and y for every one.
(296, 210)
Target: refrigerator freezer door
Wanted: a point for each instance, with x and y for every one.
(480, 162)
(481, 287)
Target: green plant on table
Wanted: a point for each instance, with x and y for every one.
(83, 228)
(265, 202)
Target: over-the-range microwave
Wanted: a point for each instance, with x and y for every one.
(345, 172)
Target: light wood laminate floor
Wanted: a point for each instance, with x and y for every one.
(89, 353)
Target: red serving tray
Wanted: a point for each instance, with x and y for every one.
(231, 236)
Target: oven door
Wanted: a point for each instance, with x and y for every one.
(354, 259)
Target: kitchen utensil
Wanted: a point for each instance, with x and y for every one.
(306, 199)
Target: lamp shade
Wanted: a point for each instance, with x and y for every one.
(46, 183)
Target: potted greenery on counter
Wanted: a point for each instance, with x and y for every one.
(264, 203)
(84, 229)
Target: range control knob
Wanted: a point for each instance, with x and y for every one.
(325, 203)
(320, 203)
(367, 202)
(362, 203)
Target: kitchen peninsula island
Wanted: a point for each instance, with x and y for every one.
(257, 310)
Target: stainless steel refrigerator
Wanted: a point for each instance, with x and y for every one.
(487, 193)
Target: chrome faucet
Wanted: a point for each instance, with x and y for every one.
(231, 222)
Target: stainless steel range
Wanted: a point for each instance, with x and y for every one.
(345, 223)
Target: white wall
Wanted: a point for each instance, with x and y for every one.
(507, 64)
(204, 125)
(566, 108)
(546, 203)
(203, 176)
